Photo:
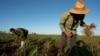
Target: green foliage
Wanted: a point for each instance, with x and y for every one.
(6, 36)
(44, 45)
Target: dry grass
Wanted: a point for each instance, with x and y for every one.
(92, 42)
(48, 45)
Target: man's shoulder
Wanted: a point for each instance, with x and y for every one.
(67, 13)
(19, 28)
(23, 29)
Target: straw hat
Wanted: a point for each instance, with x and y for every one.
(79, 8)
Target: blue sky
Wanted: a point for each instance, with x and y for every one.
(43, 16)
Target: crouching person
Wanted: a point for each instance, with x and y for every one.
(21, 35)
(80, 49)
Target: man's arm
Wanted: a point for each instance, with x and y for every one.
(21, 34)
(83, 24)
(62, 24)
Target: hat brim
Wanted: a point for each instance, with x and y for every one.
(76, 11)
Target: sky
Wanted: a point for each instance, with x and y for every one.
(43, 16)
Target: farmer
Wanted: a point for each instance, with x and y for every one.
(70, 21)
(21, 34)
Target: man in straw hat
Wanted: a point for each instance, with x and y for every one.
(70, 21)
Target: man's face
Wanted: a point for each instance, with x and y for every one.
(78, 16)
(12, 32)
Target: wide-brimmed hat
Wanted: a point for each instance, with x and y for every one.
(79, 8)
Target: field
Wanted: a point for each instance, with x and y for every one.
(42, 45)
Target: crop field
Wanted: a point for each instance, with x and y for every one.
(42, 45)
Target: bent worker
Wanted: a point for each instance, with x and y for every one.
(21, 34)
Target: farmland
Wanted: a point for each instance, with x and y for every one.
(41, 45)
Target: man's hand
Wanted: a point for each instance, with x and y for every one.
(85, 25)
(68, 34)
(16, 39)
(20, 38)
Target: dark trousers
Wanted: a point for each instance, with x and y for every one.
(64, 40)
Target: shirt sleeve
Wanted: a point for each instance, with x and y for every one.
(82, 22)
(62, 21)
